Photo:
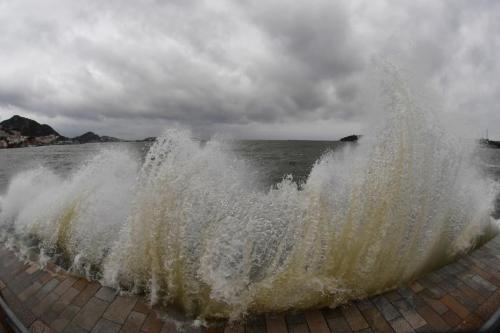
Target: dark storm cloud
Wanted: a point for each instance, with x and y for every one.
(252, 68)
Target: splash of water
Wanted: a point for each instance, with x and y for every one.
(191, 229)
(75, 218)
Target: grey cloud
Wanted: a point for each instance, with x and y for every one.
(263, 67)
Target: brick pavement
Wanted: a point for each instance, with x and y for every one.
(458, 297)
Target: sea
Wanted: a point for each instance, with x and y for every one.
(272, 159)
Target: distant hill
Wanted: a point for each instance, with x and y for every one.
(92, 137)
(26, 127)
(19, 132)
(87, 137)
(23, 132)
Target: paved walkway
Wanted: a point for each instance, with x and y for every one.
(458, 297)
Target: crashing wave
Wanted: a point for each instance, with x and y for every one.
(191, 228)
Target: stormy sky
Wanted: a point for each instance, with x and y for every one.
(250, 68)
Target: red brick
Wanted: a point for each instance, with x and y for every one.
(45, 277)
(68, 296)
(106, 326)
(452, 319)
(364, 305)
(64, 285)
(386, 308)
(400, 325)
(70, 312)
(354, 317)
(436, 305)
(80, 284)
(486, 309)
(276, 324)
(487, 276)
(119, 310)
(316, 321)
(86, 294)
(32, 269)
(338, 325)
(409, 313)
(416, 287)
(30, 291)
(471, 324)
(45, 304)
(106, 294)
(90, 313)
(392, 296)
(39, 327)
(452, 303)
(377, 321)
(73, 328)
(142, 307)
(20, 268)
(413, 318)
(433, 319)
(425, 329)
(134, 322)
(51, 267)
(46, 289)
(299, 328)
(152, 324)
(59, 324)
(471, 293)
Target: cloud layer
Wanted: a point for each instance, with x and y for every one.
(254, 69)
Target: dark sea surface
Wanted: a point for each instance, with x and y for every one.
(272, 159)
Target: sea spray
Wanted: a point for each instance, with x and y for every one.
(77, 218)
(202, 237)
(193, 229)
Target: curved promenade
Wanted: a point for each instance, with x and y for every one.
(460, 297)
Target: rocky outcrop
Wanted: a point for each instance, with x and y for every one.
(351, 138)
(148, 139)
(489, 143)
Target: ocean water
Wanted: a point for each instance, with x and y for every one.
(226, 228)
(273, 160)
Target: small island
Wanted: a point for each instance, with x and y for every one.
(487, 143)
(351, 138)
